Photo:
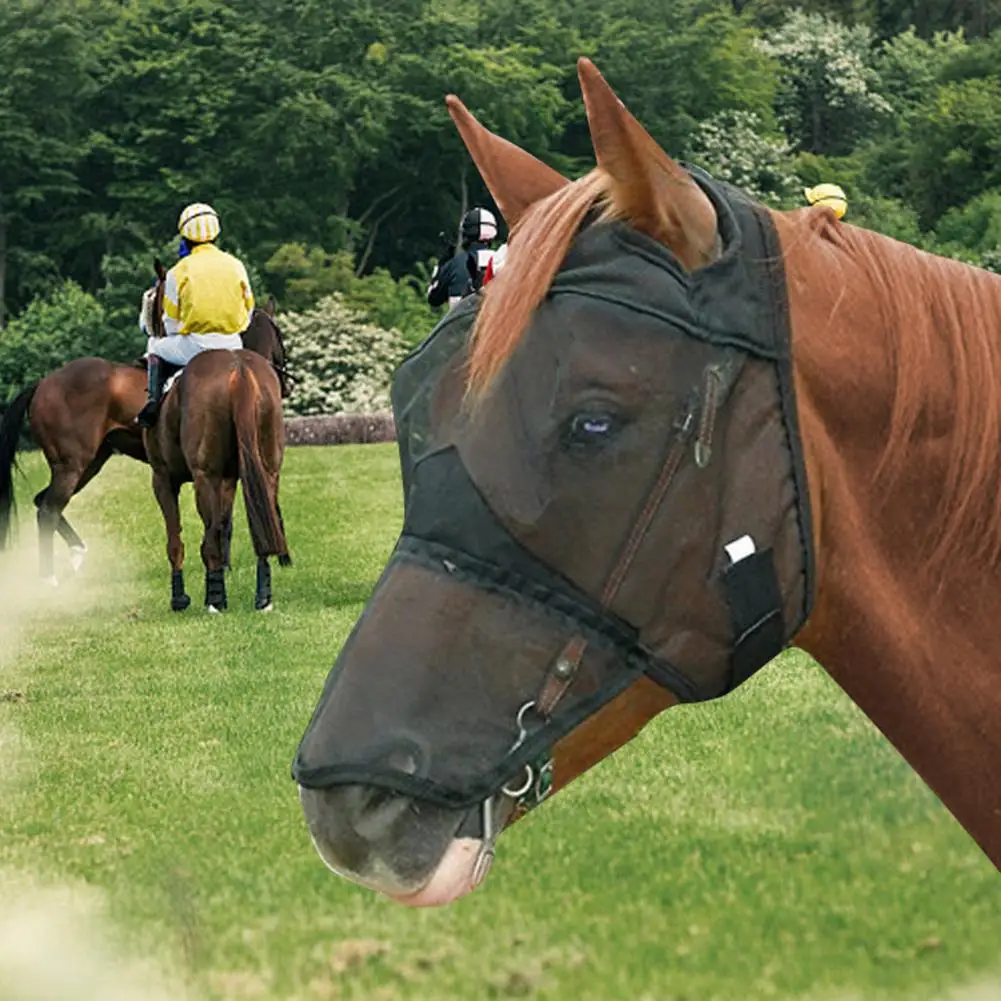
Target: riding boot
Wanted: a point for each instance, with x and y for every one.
(155, 379)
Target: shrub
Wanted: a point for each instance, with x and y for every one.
(53, 329)
(990, 260)
(339, 363)
(304, 275)
(733, 146)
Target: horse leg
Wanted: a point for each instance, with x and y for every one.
(262, 599)
(78, 547)
(227, 543)
(263, 602)
(50, 503)
(167, 491)
(209, 498)
(227, 495)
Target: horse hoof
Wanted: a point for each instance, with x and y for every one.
(212, 610)
(77, 555)
(269, 607)
(50, 581)
(179, 604)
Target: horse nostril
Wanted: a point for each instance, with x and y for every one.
(406, 757)
(406, 762)
(378, 814)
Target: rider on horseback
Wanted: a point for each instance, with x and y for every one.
(461, 274)
(207, 304)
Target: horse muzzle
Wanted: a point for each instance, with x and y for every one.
(413, 852)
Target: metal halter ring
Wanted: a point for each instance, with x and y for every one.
(518, 793)
(522, 730)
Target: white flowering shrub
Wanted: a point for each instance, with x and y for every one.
(734, 147)
(829, 90)
(339, 363)
(990, 260)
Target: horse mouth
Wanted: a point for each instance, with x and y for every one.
(463, 868)
(411, 852)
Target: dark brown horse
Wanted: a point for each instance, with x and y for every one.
(82, 414)
(220, 424)
(568, 455)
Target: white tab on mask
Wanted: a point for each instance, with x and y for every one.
(740, 548)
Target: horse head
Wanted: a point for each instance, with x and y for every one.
(606, 506)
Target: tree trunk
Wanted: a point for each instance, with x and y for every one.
(370, 242)
(463, 204)
(3, 273)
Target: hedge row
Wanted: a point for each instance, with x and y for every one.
(342, 429)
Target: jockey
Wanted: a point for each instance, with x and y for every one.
(462, 273)
(830, 195)
(496, 263)
(207, 302)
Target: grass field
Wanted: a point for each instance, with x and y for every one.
(768, 846)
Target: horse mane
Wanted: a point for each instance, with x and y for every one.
(943, 324)
(537, 245)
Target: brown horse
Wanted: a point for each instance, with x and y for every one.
(82, 414)
(219, 424)
(896, 362)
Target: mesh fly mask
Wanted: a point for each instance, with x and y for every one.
(541, 571)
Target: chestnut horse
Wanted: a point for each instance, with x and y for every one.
(220, 423)
(82, 414)
(896, 360)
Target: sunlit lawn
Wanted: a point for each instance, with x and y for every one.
(768, 846)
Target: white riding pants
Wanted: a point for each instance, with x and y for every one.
(179, 349)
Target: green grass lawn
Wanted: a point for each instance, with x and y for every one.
(767, 846)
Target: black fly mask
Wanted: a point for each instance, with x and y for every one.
(629, 499)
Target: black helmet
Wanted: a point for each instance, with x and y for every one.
(479, 226)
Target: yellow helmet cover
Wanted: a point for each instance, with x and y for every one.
(831, 195)
(199, 223)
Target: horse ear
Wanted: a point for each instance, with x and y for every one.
(514, 177)
(655, 193)
(271, 307)
(161, 271)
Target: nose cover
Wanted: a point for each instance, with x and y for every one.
(528, 589)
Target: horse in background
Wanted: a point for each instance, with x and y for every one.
(220, 423)
(80, 415)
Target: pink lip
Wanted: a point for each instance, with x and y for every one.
(453, 879)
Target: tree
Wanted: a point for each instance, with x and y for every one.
(829, 95)
(955, 152)
(45, 73)
(673, 79)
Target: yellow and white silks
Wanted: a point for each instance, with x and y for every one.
(207, 304)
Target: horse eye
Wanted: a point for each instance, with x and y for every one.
(592, 428)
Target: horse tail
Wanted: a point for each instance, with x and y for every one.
(260, 501)
(10, 435)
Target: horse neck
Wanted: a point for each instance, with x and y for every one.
(258, 336)
(912, 639)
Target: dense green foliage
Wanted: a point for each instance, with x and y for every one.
(319, 131)
(769, 846)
